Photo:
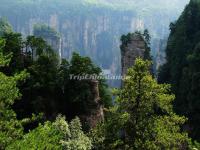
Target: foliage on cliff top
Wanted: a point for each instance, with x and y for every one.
(46, 31)
(126, 39)
(5, 27)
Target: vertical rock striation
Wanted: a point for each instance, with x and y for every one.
(93, 30)
(97, 114)
(160, 56)
(133, 46)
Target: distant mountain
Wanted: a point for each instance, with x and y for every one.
(149, 5)
(94, 27)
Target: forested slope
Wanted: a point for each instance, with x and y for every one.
(182, 68)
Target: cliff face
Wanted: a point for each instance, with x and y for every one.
(130, 51)
(91, 30)
(159, 55)
(97, 114)
(51, 36)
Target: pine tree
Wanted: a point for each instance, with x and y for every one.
(143, 117)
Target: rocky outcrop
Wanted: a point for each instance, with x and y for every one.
(97, 113)
(51, 36)
(132, 48)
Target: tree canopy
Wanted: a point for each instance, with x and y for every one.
(143, 116)
(181, 69)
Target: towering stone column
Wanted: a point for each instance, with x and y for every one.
(98, 114)
(133, 46)
(51, 36)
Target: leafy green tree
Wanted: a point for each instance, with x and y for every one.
(39, 91)
(14, 44)
(56, 136)
(38, 46)
(82, 103)
(143, 116)
(194, 145)
(10, 128)
(50, 89)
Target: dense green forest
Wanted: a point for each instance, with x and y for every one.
(32, 74)
(43, 108)
(182, 67)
